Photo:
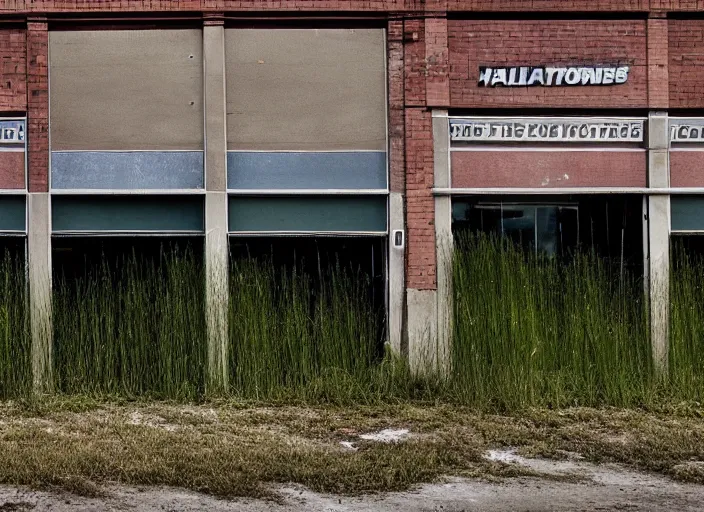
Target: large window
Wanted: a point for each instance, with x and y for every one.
(559, 225)
(538, 227)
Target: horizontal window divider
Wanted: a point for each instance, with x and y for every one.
(686, 231)
(569, 191)
(64, 234)
(127, 150)
(13, 192)
(547, 149)
(127, 192)
(12, 150)
(10, 232)
(307, 192)
(308, 233)
(306, 151)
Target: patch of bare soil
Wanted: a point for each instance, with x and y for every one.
(598, 487)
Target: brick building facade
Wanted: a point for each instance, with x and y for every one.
(433, 51)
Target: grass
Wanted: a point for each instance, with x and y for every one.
(293, 337)
(131, 327)
(227, 450)
(530, 330)
(687, 324)
(15, 369)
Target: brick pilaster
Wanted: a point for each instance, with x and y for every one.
(38, 104)
(397, 178)
(658, 60)
(437, 67)
(414, 62)
(420, 207)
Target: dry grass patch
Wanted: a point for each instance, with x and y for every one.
(229, 450)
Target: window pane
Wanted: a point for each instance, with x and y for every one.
(12, 213)
(308, 214)
(127, 213)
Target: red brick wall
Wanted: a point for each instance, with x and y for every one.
(42, 6)
(548, 169)
(658, 64)
(349, 5)
(686, 63)
(414, 62)
(38, 106)
(561, 6)
(420, 204)
(546, 42)
(437, 84)
(549, 5)
(397, 178)
(686, 168)
(13, 68)
(11, 169)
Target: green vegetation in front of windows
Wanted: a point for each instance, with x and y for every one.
(534, 330)
(529, 330)
(686, 355)
(132, 326)
(15, 367)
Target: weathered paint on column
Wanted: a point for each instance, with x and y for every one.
(216, 244)
(397, 274)
(443, 238)
(39, 250)
(422, 323)
(659, 238)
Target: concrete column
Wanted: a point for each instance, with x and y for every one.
(216, 243)
(422, 322)
(443, 238)
(659, 239)
(397, 273)
(39, 263)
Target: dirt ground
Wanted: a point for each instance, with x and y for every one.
(604, 488)
(168, 457)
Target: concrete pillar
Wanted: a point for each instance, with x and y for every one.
(422, 321)
(39, 263)
(659, 239)
(216, 243)
(397, 272)
(443, 238)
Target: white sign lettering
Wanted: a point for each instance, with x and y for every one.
(546, 130)
(527, 76)
(11, 132)
(686, 133)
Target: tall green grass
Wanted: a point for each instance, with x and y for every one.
(530, 330)
(303, 337)
(134, 328)
(15, 344)
(687, 324)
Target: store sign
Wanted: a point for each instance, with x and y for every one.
(546, 130)
(12, 132)
(687, 132)
(527, 76)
